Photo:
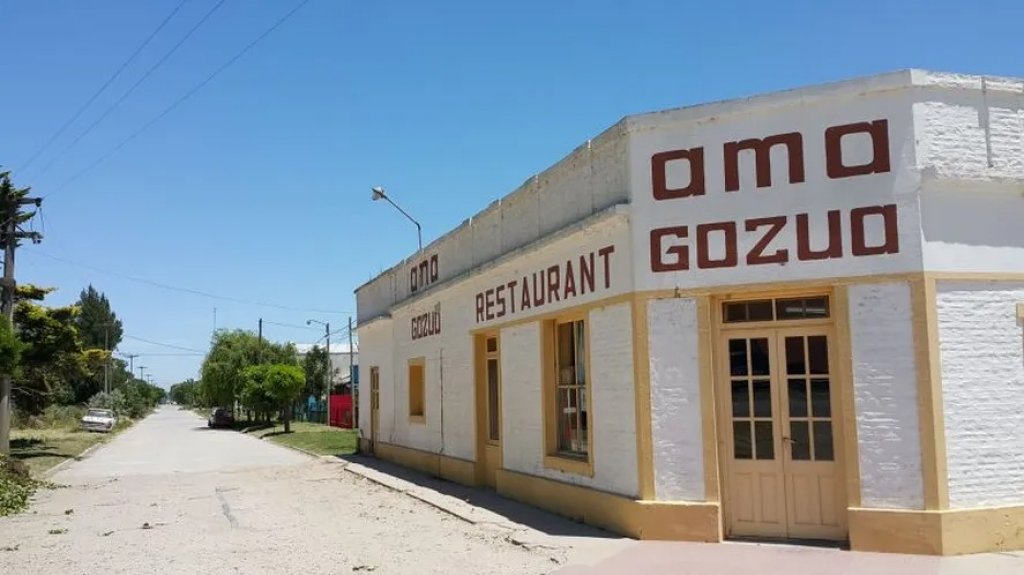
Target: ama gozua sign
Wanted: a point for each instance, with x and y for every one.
(577, 276)
(872, 229)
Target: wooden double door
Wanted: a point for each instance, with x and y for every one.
(780, 406)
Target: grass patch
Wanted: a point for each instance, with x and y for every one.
(313, 437)
(41, 449)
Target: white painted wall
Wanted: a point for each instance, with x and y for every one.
(376, 348)
(810, 115)
(885, 396)
(676, 431)
(612, 401)
(591, 178)
(971, 156)
(981, 346)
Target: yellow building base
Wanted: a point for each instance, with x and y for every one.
(678, 521)
(948, 532)
(437, 465)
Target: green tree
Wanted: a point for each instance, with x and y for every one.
(98, 325)
(273, 387)
(10, 347)
(185, 393)
(230, 353)
(53, 367)
(315, 365)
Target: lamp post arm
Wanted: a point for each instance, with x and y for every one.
(419, 230)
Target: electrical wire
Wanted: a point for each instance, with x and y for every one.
(182, 289)
(180, 100)
(138, 82)
(105, 85)
(168, 345)
(291, 325)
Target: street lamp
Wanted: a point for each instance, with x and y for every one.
(327, 388)
(378, 194)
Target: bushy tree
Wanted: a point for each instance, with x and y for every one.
(273, 387)
(97, 324)
(315, 364)
(230, 353)
(10, 347)
(186, 393)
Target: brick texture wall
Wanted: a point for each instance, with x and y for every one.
(981, 347)
(675, 400)
(885, 392)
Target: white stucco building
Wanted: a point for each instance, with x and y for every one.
(796, 315)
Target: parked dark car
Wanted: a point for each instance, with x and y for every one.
(220, 417)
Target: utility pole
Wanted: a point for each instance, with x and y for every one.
(352, 378)
(10, 237)
(142, 372)
(330, 377)
(106, 368)
(259, 346)
(131, 363)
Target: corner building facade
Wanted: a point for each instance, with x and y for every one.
(797, 315)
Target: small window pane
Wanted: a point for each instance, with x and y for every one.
(762, 398)
(801, 308)
(741, 446)
(740, 399)
(765, 441)
(735, 312)
(817, 352)
(800, 443)
(760, 364)
(821, 398)
(492, 345)
(797, 398)
(760, 310)
(493, 415)
(738, 356)
(795, 364)
(823, 441)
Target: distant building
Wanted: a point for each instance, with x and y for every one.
(796, 315)
(340, 360)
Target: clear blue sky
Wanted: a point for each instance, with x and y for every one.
(257, 187)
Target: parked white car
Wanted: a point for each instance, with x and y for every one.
(99, 420)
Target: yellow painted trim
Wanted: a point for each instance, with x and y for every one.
(569, 465)
(935, 477)
(945, 532)
(1020, 311)
(976, 276)
(420, 362)
(434, 464)
(681, 521)
(642, 398)
(480, 406)
(706, 357)
(549, 405)
(418, 419)
(848, 418)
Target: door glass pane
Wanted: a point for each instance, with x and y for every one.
(821, 398)
(738, 356)
(817, 352)
(797, 398)
(741, 440)
(759, 362)
(801, 308)
(493, 424)
(795, 356)
(492, 345)
(764, 440)
(823, 441)
(801, 442)
(740, 399)
(762, 398)
(735, 312)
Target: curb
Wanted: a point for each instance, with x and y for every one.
(415, 496)
(299, 449)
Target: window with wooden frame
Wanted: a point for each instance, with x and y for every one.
(567, 390)
(417, 390)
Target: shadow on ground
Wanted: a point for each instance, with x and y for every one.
(514, 511)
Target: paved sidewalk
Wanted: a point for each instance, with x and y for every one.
(583, 550)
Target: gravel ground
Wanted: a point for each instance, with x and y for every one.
(151, 502)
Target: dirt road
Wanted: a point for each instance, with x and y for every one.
(170, 496)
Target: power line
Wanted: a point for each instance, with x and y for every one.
(105, 85)
(168, 345)
(182, 99)
(184, 289)
(124, 96)
(291, 325)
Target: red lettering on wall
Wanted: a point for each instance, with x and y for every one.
(423, 274)
(879, 132)
(587, 273)
(729, 259)
(605, 254)
(499, 298)
(891, 240)
(794, 144)
(804, 252)
(554, 282)
(756, 256)
(526, 303)
(512, 291)
(681, 254)
(479, 307)
(694, 158)
(489, 299)
(570, 281)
